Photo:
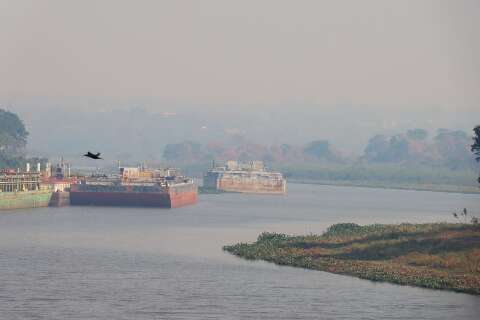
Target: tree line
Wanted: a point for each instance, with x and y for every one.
(447, 148)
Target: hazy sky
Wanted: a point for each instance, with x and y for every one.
(388, 53)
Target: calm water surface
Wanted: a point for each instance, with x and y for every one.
(120, 263)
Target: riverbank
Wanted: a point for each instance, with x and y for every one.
(437, 256)
(395, 186)
(386, 176)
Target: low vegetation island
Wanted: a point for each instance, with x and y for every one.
(437, 256)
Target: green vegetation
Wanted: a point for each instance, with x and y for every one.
(438, 256)
(475, 147)
(448, 148)
(380, 173)
(12, 130)
(13, 139)
(418, 177)
(321, 150)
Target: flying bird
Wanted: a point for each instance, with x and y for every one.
(92, 156)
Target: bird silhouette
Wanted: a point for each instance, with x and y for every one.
(92, 155)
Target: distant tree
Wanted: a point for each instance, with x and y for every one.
(10, 124)
(320, 149)
(377, 148)
(417, 134)
(387, 149)
(476, 145)
(13, 139)
(399, 148)
(453, 148)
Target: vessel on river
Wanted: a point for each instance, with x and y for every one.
(20, 190)
(135, 187)
(251, 177)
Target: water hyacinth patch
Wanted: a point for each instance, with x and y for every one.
(437, 256)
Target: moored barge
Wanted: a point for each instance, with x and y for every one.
(135, 187)
(21, 190)
(251, 177)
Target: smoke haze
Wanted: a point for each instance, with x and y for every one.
(276, 71)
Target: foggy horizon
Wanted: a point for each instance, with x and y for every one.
(146, 126)
(394, 55)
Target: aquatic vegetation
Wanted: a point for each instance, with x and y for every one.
(438, 256)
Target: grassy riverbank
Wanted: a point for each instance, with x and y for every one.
(437, 256)
(397, 186)
(389, 176)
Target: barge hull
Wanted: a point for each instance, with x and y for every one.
(133, 199)
(25, 199)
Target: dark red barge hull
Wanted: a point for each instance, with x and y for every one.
(170, 199)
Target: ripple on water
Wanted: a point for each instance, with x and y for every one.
(118, 263)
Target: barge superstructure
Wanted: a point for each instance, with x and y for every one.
(251, 177)
(20, 190)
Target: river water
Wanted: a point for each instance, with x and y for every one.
(134, 263)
